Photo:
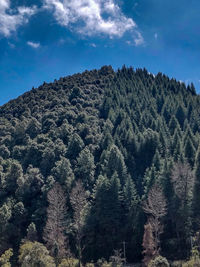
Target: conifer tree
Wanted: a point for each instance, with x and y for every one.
(133, 228)
(62, 173)
(196, 195)
(189, 152)
(115, 163)
(85, 167)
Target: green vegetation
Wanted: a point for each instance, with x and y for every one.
(100, 162)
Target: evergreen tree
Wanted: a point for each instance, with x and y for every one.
(133, 229)
(75, 146)
(190, 152)
(62, 173)
(115, 163)
(85, 167)
(196, 195)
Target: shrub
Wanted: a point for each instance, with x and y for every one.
(159, 262)
(89, 265)
(5, 258)
(69, 262)
(194, 260)
(35, 254)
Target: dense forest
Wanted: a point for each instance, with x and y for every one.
(100, 167)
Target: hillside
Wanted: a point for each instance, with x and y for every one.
(120, 133)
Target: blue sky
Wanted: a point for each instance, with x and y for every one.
(42, 40)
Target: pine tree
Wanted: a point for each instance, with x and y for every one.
(189, 152)
(173, 125)
(62, 173)
(115, 163)
(196, 195)
(133, 228)
(75, 146)
(85, 168)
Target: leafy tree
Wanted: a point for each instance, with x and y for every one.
(54, 230)
(5, 258)
(78, 202)
(155, 207)
(69, 262)
(159, 262)
(5, 216)
(148, 244)
(34, 254)
(14, 173)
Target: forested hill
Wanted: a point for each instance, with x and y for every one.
(127, 136)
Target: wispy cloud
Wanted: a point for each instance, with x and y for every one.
(138, 39)
(11, 19)
(156, 36)
(93, 17)
(93, 45)
(33, 44)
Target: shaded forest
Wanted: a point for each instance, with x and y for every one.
(101, 165)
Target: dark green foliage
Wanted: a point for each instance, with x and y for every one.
(63, 173)
(119, 133)
(196, 195)
(85, 168)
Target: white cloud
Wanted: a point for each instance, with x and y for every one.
(92, 17)
(93, 45)
(11, 19)
(11, 45)
(156, 36)
(138, 40)
(33, 44)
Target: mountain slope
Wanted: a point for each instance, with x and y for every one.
(115, 131)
